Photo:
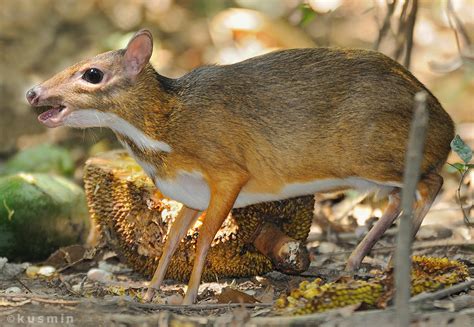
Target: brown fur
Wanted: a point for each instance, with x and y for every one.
(290, 116)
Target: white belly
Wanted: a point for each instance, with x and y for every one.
(188, 188)
(191, 189)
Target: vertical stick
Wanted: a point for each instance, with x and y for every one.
(409, 35)
(411, 176)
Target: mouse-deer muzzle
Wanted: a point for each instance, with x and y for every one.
(53, 108)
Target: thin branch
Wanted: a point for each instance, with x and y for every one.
(467, 220)
(72, 264)
(386, 23)
(413, 160)
(409, 33)
(442, 293)
(399, 37)
(23, 284)
(456, 26)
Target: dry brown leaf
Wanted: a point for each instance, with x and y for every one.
(230, 295)
(174, 299)
(65, 256)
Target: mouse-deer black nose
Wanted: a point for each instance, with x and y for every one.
(32, 96)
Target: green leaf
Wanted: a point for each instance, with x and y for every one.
(308, 15)
(462, 149)
(459, 166)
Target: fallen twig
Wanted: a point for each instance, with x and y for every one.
(55, 301)
(456, 304)
(153, 306)
(23, 284)
(442, 293)
(180, 307)
(72, 264)
(43, 299)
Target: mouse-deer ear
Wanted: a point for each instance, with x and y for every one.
(138, 52)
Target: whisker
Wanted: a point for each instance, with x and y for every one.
(94, 136)
(98, 119)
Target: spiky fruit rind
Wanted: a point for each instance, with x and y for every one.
(428, 274)
(315, 296)
(135, 219)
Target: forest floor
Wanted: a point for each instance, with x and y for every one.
(75, 295)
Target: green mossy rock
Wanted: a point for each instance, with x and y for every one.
(45, 158)
(38, 214)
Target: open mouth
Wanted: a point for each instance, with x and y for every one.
(53, 116)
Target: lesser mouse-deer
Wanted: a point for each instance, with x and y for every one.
(280, 125)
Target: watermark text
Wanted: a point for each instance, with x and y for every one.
(38, 319)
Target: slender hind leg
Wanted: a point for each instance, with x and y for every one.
(364, 247)
(428, 188)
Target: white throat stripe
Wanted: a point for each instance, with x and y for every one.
(94, 118)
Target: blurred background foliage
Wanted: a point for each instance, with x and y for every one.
(41, 37)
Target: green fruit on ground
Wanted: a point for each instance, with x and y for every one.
(44, 158)
(38, 214)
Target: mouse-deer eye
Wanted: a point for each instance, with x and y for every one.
(93, 75)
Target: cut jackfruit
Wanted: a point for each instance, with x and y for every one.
(134, 219)
(428, 274)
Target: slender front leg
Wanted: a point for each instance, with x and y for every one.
(184, 220)
(223, 195)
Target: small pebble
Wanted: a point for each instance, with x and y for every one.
(46, 271)
(174, 299)
(13, 290)
(327, 247)
(103, 265)
(99, 275)
(76, 288)
(32, 271)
